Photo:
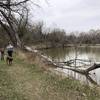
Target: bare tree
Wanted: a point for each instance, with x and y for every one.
(10, 10)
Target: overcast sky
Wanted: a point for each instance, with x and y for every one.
(71, 15)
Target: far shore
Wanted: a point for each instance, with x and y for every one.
(43, 46)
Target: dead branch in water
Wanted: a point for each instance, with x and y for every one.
(95, 66)
(72, 61)
(91, 80)
(81, 71)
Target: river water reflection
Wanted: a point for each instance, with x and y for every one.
(85, 53)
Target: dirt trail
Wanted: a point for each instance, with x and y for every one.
(24, 81)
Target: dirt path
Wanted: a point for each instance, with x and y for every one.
(24, 81)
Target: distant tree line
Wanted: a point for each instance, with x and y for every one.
(36, 33)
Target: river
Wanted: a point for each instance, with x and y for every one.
(91, 54)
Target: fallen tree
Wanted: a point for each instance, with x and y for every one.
(82, 71)
(85, 72)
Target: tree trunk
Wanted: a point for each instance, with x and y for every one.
(95, 66)
(12, 32)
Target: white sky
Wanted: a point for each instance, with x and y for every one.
(71, 15)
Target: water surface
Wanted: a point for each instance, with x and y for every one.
(86, 53)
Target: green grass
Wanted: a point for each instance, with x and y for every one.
(27, 81)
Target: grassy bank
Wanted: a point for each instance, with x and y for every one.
(27, 79)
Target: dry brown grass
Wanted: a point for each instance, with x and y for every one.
(29, 79)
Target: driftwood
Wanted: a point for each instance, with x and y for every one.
(73, 60)
(73, 69)
(95, 66)
(91, 80)
(85, 72)
(81, 71)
